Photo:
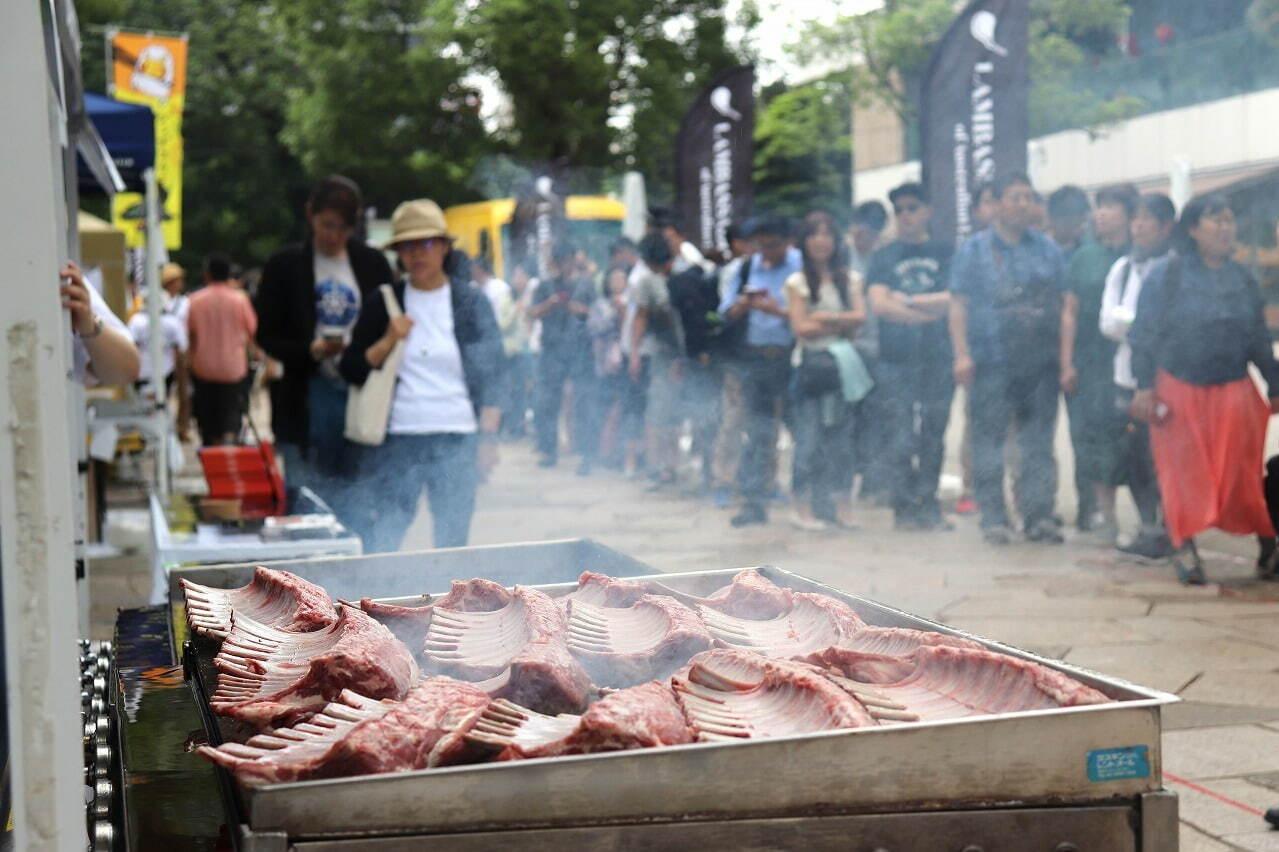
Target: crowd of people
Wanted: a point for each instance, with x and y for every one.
(668, 359)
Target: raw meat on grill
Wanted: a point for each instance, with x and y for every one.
(808, 624)
(274, 598)
(622, 646)
(729, 695)
(355, 735)
(642, 716)
(270, 677)
(511, 643)
(944, 682)
(408, 623)
(901, 641)
(603, 590)
(749, 595)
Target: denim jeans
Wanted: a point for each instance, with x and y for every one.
(1001, 394)
(916, 402)
(394, 476)
(555, 367)
(327, 466)
(823, 467)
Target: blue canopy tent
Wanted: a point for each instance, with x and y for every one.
(128, 133)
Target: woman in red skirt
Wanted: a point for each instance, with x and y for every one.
(1199, 324)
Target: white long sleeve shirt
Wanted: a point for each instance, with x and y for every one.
(1119, 309)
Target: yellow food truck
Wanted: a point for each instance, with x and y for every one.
(483, 229)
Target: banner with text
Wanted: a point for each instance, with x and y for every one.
(973, 109)
(152, 70)
(714, 156)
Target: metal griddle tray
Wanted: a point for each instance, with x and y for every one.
(1067, 755)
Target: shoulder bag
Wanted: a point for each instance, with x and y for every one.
(368, 407)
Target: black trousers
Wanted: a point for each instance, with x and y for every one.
(218, 408)
(916, 401)
(1138, 463)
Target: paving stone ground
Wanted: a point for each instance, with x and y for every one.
(1217, 647)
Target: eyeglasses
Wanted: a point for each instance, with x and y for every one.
(419, 245)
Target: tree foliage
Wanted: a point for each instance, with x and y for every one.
(282, 92)
(803, 147)
(600, 84)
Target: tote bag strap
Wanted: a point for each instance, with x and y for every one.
(392, 303)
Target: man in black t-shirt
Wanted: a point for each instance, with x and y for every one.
(907, 287)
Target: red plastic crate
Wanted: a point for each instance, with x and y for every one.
(247, 473)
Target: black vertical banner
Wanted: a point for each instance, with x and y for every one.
(973, 109)
(714, 156)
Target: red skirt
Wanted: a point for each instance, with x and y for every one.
(1209, 457)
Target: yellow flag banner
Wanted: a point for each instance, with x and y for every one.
(152, 70)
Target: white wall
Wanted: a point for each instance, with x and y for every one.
(1234, 135)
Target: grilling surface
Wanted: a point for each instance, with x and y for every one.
(487, 673)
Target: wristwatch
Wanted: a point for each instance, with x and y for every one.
(97, 329)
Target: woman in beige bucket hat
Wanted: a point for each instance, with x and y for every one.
(444, 415)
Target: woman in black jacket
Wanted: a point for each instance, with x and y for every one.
(444, 416)
(307, 304)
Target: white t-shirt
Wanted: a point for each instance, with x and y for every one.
(175, 337)
(80, 354)
(431, 394)
(337, 302)
(498, 293)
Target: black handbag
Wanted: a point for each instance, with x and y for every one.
(818, 374)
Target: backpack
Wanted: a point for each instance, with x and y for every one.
(695, 300)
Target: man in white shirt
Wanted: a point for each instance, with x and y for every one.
(1151, 228)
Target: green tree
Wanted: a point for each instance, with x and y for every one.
(243, 188)
(802, 148)
(378, 95)
(599, 85)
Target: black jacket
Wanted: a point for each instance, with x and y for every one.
(478, 339)
(286, 326)
(1202, 325)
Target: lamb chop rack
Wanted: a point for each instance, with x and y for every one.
(271, 677)
(355, 735)
(642, 716)
(731, 695)
(624, 646)
(273, 598)
(809, 623)
(937, 682)
(511, 643)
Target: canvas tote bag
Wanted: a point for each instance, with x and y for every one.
(368, 407)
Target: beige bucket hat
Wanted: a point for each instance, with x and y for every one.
(417, 220)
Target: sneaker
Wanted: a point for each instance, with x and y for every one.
(1045, 531)
(778, 497)
(965, 506)
(997, 535)
(1190, 568)
(722, 498)
(1148, 545)
(749, 515)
